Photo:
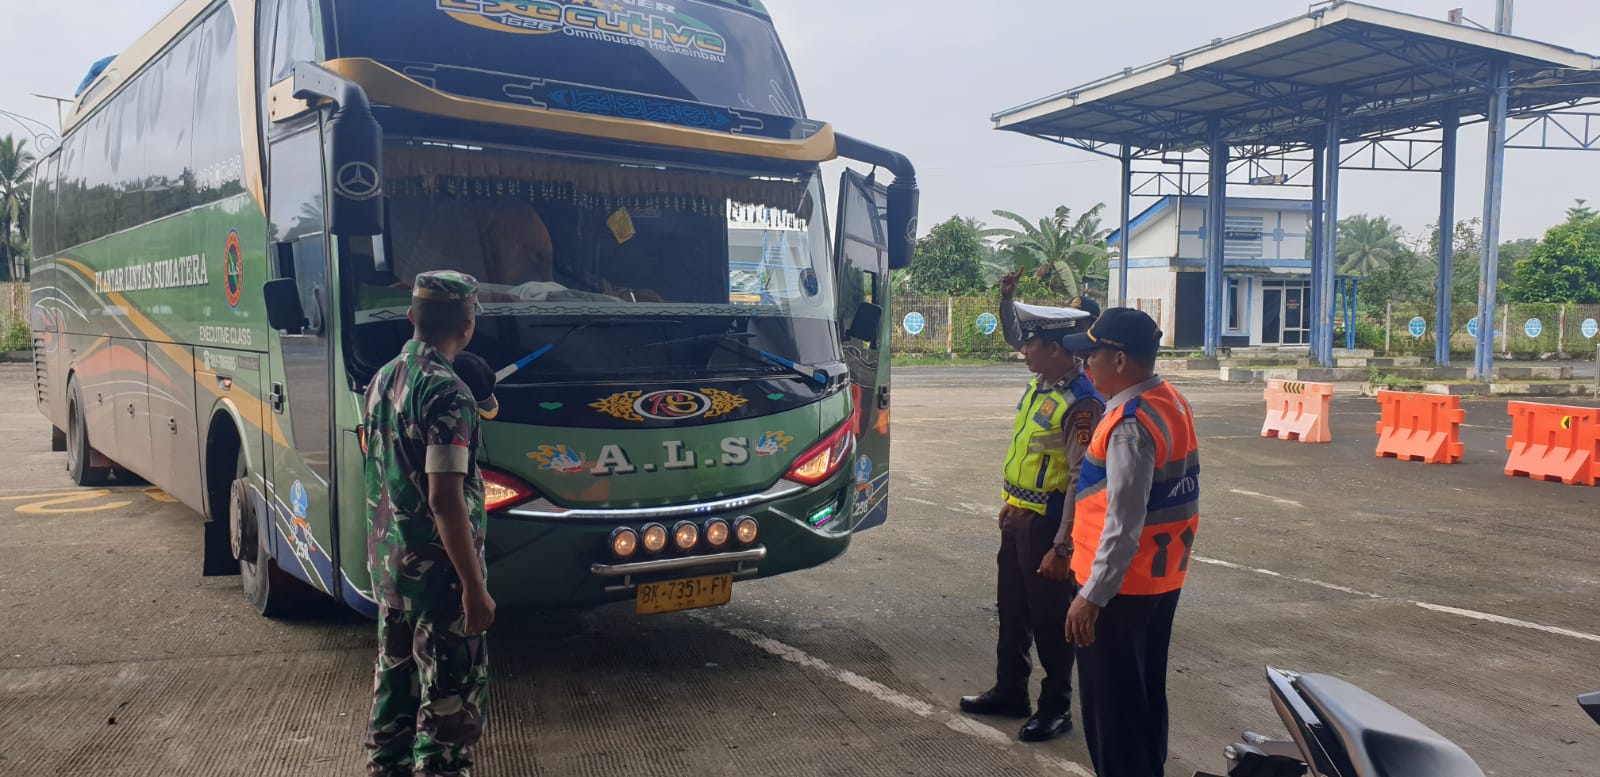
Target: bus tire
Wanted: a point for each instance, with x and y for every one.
(273, 592)
(80, 456)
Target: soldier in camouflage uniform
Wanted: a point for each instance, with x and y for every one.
(425, 532)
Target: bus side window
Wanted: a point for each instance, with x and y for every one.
(297, 37)
(305, 261)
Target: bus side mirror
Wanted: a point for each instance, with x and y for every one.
(283, 306)
(355, 148)
(902, 223)
(864, 326)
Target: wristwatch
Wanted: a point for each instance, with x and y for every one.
(1063, 551)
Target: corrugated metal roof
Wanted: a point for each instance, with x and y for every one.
(1391, 72)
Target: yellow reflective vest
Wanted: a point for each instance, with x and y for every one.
(1037, 466)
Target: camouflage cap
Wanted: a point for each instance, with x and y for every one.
(444, 285)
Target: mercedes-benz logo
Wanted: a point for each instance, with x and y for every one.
(357, 181)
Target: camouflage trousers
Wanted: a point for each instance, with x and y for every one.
(428, 696)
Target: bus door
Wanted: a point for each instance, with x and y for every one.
(300, 390)
(862, 263)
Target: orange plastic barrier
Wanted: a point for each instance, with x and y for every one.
(1554, 442)
(1297, 411)
(1420, 427)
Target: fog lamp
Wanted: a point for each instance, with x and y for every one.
(716, 532)
(746, 530)
(654, 537)
(685, 535)
(624, 541)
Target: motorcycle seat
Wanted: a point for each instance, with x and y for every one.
(1380, 740)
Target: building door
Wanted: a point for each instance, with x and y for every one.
(1296, 319)
(1271, 316)
(1284, 317)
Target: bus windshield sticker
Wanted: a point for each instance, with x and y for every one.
(645, 23)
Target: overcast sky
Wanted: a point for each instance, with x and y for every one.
(923, 77)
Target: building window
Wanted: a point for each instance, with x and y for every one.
(1235, 305)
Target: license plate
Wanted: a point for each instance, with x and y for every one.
(689, 594)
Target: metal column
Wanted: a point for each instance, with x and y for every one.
(1493, 179)
(1216, 237)
(1318, 214)
(1122, 236)
(1442, 327)
(1322, 323)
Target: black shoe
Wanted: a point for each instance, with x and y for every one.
(1045, 726)
(992, 702)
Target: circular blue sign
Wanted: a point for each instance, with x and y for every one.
(863, 469)
(1418, 326)
(1590, 328)
(914, 323)
(1472, 327)
(1533, 327)
(987, 323)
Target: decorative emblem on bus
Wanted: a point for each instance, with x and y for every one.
(233, 269)
(357, 181)
(558, 458)
(669, 405)
(773, 443)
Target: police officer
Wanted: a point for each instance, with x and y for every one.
(425, 537)
(1034, 588)
(1137, 513)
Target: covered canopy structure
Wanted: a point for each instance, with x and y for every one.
(1299, 94)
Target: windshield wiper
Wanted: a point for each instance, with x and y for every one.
(509, 369)
(734, 342)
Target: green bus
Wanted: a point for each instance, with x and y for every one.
(692, 345)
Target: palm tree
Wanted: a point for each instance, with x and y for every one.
(1063, 254)
(16, 165)
(1366, 244)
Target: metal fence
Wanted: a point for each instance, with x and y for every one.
(963, 326)
(1403, 329)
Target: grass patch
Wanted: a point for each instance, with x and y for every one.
(16, 337)
(920, 360)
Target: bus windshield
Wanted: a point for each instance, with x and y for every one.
(629, 268)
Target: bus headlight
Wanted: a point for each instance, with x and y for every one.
(624, 541)
(685, 535)
(716, 532)
(745, 529)
(654, 537)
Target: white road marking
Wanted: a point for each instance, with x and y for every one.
(1473, 614)
(1492, 618)
(1268, 497)
(903, 498)
(883, 693)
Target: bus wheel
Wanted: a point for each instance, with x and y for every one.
(79, 454)
(273, 592)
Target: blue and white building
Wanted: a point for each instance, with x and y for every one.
(1266, 260)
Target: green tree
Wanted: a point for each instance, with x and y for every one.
(1065, 255)
(1366, 243)
(948, 260)
(1565, 266)
(16, 166)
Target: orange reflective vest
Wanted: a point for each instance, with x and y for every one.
(1172, 508)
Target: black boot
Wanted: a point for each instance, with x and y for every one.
(995, 702)
(1046, 725)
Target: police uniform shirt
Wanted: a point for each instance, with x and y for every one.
(1078, 423)
(1130, 469)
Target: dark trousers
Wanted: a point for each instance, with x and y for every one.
(1122, 680)
(1033, 612)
